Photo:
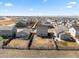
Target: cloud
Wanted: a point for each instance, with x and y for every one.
(8, 4)
(72, 3)
(69, 6)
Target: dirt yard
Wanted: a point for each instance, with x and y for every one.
(42, 43)
(67, 45)
(18, 43)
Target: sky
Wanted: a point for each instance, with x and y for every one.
(39, 7)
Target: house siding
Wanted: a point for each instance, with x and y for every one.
(72, 31)
(8, 32)
(77, 33)
(42, 31)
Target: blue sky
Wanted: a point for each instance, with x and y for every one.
(39, 7)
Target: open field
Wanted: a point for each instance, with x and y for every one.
(7, 22)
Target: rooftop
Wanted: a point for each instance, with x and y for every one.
(6, 27)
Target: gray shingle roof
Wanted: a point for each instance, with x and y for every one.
(6, 27)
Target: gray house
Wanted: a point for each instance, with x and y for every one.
(8, 31)
(25, 33)
(42, 30)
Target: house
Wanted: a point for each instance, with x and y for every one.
(25, 33)
(58, 35)
(74, 31)
(66, 37)
(42, 30)
(8, 31)
(58, 31)
(47, 23)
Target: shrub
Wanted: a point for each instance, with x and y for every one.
(4, 37)
(1, 38)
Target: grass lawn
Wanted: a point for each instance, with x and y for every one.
(1, 38)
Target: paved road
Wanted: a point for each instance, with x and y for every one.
(37, 53)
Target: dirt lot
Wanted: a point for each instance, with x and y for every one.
(37, 53)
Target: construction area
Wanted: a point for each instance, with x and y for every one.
(38, 37)
(35, 33)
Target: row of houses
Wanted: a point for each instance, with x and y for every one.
(61, 32)
(11, 32)
(42, 31)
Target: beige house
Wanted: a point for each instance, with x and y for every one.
(74, 31)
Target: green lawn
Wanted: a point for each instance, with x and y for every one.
(1, 38)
